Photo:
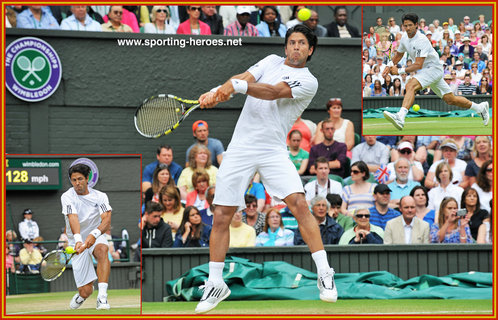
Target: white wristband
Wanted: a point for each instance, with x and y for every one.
(77, 238)
(390, 63)
(215, 89)
(239, 86)
(401, 71)
(96, 233)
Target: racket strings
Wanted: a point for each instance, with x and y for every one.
(52, 265)
(158, 115)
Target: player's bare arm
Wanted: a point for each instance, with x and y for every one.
(103, 227)
(266, 91)
(397, 58)
(224, 92)
(417, 65)
(74, 224)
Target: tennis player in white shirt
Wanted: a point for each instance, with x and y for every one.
(429, 74)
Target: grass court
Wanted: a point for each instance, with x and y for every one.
(124, 302)
(342, 307)
(433, 126)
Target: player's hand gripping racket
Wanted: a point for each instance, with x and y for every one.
(55, 262)
(161, 114)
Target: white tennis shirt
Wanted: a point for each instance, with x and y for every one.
(420, 47)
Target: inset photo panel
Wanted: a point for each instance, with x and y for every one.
(427, 70)
(71, 222)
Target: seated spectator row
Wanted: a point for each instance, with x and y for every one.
(262, 21)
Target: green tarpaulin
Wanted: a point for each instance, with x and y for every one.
(278, 280)
(458, 113)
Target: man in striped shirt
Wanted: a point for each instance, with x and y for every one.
(466, 88)
(242, 27)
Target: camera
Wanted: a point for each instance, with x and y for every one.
(461, 213)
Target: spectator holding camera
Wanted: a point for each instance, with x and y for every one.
(450, 227)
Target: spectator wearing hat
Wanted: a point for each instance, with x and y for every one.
(449, 150)
(402, 184)
(372, 152)
(467, 49)
(458, 38)
(28, 229)
(468, 25)
(30, 257)
(447, 28)
(380, 213)
(407, 228)
(164, 155)
(364, 232)
(406, 150)
(460, 67)
(452, 81)
(200, 131)
(242, 26)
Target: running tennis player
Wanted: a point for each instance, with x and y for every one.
(429, 74)
(88, 215)
(278, 89)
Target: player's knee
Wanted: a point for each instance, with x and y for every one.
(101, 251)
(221, 218)
(449, 99)
(297, 204)
(86, 290)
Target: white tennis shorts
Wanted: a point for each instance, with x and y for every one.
(278, 174)
(433, 77)
(83, 269)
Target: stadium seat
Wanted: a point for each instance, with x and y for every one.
(430, 159)
(357, 139)
(347, 167)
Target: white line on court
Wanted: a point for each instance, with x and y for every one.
(34, 312)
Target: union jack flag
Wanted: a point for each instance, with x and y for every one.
(382, 174)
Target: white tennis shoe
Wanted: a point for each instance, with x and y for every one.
(102, 303)
(326, 285)
(394, 119)
(213, 294)
(484, 112)
(74, 304)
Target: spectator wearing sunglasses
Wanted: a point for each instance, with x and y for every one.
(380, 212)
(161, 21)
(251, 216)
(312, 23)
(363, 232)
(406, 151)
(193, 25)
(407, 228)
(115, 24)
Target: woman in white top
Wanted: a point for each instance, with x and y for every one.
(449, 149)
(344, 128)
(445, 188)
(484, 184)
(161, 22)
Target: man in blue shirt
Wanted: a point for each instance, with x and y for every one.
(201, 132)
(381, 213)
(401, 186)
(37, 17)
(164, 155)
(80, 21)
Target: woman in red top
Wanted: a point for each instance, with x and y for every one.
(193, 25)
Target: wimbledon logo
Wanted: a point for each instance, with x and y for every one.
(32, 69)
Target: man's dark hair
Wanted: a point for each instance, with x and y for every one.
(336, 9)
(410, 17)
(163, 146)
(152, 206)
(249, 198)
(80, 168)
(321, 160)
(334, 199)
(307, 32)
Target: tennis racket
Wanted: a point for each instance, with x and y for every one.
(54, 263)
(161, 114)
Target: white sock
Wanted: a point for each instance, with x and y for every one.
(402, 113)
(216, 271)
(80, 299)
(476, 107)
(103, 289)
(321, 262)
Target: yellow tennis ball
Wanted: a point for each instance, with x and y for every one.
(177, 109)
(304, 14)
(416, 107)
(69, 250)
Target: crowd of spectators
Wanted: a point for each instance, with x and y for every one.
(465, 50)
(251, 21)
(369, 193)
